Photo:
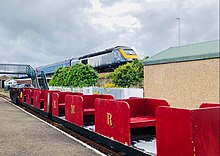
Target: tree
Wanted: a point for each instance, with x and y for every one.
(79, 75)
(130, 74)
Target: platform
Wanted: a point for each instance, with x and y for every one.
(22, 134)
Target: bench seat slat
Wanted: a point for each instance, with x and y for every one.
(41, 100)
(142, 121)
(61, 105)
(89, 111)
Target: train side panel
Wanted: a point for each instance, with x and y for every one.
(50, 69)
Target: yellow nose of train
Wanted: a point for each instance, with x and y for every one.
(128, 54)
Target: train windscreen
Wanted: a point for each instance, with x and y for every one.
(129, 51)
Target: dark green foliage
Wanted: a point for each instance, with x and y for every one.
(79, 75)
(130, 74)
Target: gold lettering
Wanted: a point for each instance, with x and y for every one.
(54, 104)
(72, 109)
(109, 119)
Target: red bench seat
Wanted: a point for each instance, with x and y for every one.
(116, 118)
(48, 94)
(62, 105)
(24, 95)
(38, 98)
(182, 132)
(89, 111)
(58, 102)
(143, 121)
(30, 96)
(77, 107)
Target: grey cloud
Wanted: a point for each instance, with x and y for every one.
(199, 22)
(38, 28)
(109, 2)
(46, 31)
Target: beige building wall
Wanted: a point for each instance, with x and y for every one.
(184, 84)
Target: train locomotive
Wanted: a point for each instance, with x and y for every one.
(102, 61)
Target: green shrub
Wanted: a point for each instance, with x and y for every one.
(79, 75)
(130, 74)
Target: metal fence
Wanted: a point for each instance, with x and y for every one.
(118, 93)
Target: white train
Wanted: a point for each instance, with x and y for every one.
(102, 61)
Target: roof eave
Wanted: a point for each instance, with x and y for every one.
(182, 59)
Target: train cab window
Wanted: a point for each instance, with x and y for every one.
(116, 52)
(85, 61)
(129, 52)
(117, 55)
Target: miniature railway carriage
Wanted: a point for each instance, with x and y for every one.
(58, 102)
(188, 132)
(80, 106)
(178, 131)
(116, 118)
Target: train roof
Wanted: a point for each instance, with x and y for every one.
(103, 52)
(65, 61)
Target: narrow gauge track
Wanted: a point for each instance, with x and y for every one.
(93, 144)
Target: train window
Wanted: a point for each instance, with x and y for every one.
(115, 52)
(75, 62)
(85, 61)
(117, 55)
(129, 51)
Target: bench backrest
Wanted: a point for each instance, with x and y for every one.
(29, 95)
(30, 92)
(112, 119)
(24, 94)
(46, 92)
(137, 107)
(39, 94)
(61, 95)
(205, 105)
(89, 100)
(187, 132)
(144, 106)
(75, 105)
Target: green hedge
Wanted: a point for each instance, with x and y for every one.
(79, 75)
(130, 74)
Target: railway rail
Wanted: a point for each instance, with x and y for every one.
(93, 144)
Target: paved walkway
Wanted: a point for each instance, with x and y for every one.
(22, 134)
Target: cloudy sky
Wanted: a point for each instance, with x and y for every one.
(39, 32)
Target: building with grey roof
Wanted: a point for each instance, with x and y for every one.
(185, 76)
